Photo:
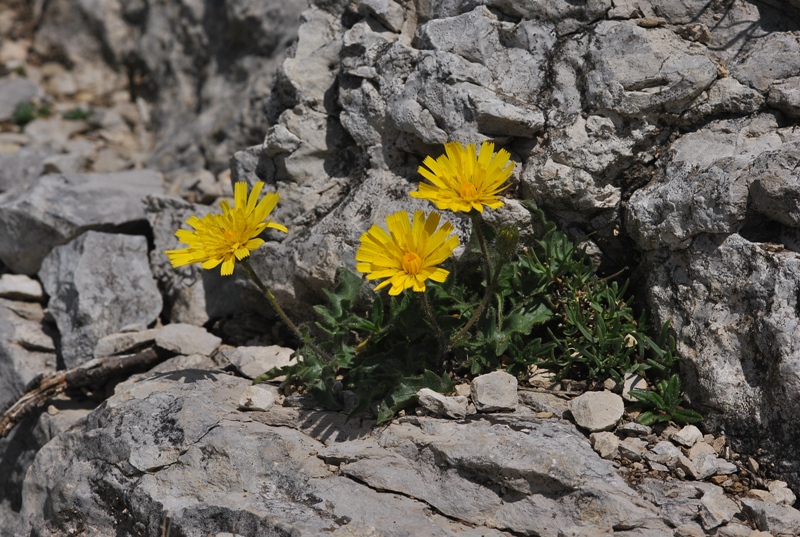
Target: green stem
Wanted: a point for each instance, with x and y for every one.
(478, 311)
(476, 228)
(426, 307)
(248, 269)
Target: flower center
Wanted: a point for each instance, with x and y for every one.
(412, 263)
(468, 191)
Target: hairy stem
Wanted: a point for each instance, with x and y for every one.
(426, 307)
(476, 228)
(248, 269)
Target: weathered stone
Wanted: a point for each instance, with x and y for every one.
(98, 284)
(605, 444)
(716, 509)
(20, 287)
(256, 397)
(698, 448)
(442, 405)
(254, 361)
(687, 467)
(633, 449)
(26, 350)
(421, 467)
(774, 519)
(664, 452)
(57, 208)
(785, 95)
(494, 392)
(687, 436)
(544, 402)
(633, 428)
(597, 411)
(784, 496)
(124, 342)
(182, 338)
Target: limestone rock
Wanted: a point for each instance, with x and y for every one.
(605, 444)
(254, 361)
(182, 338)
(774, 519)
(57, 208)
(688, 436)
(98, 284)
(597, 411)
(716, 508)
(20, 287)
(124, 342)
(442, 405)
(184, 428)
(26, 349)
(785, 95)
(495, 391)
(256, 397)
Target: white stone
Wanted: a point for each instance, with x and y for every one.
(687, 436)
(122, 342)
(182, 338)
(606, 444)
(20, 287)
(496, 391)
(784, 496)
(256, 397)
(716, 509)
(597, 411)
(633, 449)
(633, 381)
(254, 361)
(442, 405)
(664, 452)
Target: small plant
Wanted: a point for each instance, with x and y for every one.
(26, 112)
(77, 114)
(502, 306)
(665, 403)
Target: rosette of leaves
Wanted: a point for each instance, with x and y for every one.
(665, 403)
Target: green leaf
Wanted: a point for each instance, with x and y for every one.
(682, 415)
(522, 322)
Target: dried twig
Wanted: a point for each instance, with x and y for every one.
(95, 372)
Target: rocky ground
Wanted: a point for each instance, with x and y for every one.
(665, 131)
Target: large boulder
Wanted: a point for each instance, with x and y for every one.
(173, 447)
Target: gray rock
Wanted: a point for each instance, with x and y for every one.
(633, 449)
(664, 452)
(775, 187)
(633, 428)
(253, 361)
(496, 391)
(597, 411)
(605, 444)
(727, 96)
(784, 496)
(98, 284)
(24, 166)
(544, 402)
(20, 287)
(688, 436)
(16, 91)
(26, 349)
(256, 397)
(57, 208)
(442, 405)
(716, 508)
(687, 466)
(182, 338)
(775, 519)
(785, 96)
(183, 429)
(124, 342)
(388, 12)
(633, 381)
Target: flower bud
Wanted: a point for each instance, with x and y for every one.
(507, 241)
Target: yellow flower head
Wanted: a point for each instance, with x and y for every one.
(409, 253)
(464, 180)
(224, 238)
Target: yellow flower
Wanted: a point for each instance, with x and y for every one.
(409, 253)
(224, 238)
(463, 180)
